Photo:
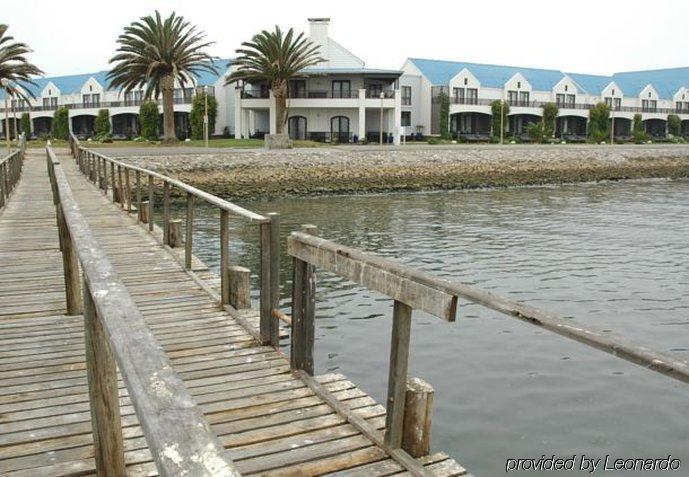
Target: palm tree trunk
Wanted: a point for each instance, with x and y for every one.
(280, 93)
(167, 86)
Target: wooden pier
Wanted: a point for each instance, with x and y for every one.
(122, 354)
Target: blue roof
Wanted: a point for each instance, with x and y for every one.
(72, 84)
(492, 76)
(666, 81)
(355, 71)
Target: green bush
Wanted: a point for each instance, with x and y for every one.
(26, 125)
(674, 124)
(496, 109)
(148, 120)
(101, 125)
(444, 101)
(638, 132)
(61, 123)
(537, 131)
(599, 123)
(198, 109)
(550, 111)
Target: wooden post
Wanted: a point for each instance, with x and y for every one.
(224, 256)
(101, 370)
(143, 212)
(397, 377)
(270, 279)
(138, 195)
(128, 190)
(120, 187)
(99, 174)
(166, 213)
(2, 185)
(418, 408)
(70, 265)
(113, 179)
(240, 287)
(189, 233)
(175, 233)
(151, 192)
(105, 177)
(303, 311)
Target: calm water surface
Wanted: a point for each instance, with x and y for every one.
(612, 255)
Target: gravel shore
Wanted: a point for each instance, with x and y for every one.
(259, 173)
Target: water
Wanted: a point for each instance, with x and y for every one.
(612, 255)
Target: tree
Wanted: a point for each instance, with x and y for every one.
(638, 132)
(61, 123)
(550, 111)
(148, 120)
(153, 54)
(599, 123)
(15, 70)
(26, 125)
(674, 124)
(498, 108)
(198, 110)
(444, 101)
(275, 58)
(102, 123)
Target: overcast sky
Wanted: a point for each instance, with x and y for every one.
(598, 36)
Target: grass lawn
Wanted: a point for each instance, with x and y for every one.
(224, 142)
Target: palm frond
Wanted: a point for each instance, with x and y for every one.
(15, 69)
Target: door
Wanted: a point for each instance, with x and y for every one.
(339, 129)
(341, 89)
(297, 89)
(296, 126)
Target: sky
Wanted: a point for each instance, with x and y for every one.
(585, 36)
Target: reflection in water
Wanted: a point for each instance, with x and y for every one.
(612, 255)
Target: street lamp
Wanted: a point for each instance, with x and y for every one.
(205, 116)
(5, 83)
(382, 97)
(612, 119)
(502, 120)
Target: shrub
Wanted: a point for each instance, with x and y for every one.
(26, 125)
(496, 109)
(550, 111)
(61, 123)
(444, 101)
(101, 125)
(599, 125)
(148, 120)
(198, 109)
(638, 132)
(674, 124)
(537, 131)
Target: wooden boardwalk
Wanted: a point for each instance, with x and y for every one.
(272, 422)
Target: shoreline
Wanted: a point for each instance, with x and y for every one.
(269, 174)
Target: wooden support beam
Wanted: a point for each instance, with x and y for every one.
(128, 190)
(303, 311)
(151, 198)
(189, 233)
(113, 180)
(224, 256)
(240, 287)
(269, 279)
(397, 376)
(120, 187)
(105, 177)
(103, 393)
(138, 195)
(143, 212)
(418, 410)
(175, 233)
(70, 265)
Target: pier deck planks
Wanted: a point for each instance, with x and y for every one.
(271, 421)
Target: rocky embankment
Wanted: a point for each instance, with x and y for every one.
(244, 174)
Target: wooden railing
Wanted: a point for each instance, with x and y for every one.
(412, 289)
(117, 337)
(116, 176)
(11, 170)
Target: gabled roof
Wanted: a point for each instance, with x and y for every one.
(350, 71)
(591, 84)
(665, 81)
(71, 84)
(492, 76)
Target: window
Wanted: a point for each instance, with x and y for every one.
(49, 103)
(571, 99)
(512, 97)
(46, 103)
(566, 87)
(132, 98)
(614, 103)
(341, 89)
(374, 90)
(466, 81)
(458, 93)
(524, 98)
(472, 95)
(95, 98)
(406, 118)
(678, 106)
(649, 105)
(297, 89)
(519, 84)
(560, 99)
(406, 95)
(86, 100)
(339, 129)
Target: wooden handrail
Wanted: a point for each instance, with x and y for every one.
(11, 169)
(106, 173)
(180, 440)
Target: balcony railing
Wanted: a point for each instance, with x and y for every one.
(471, 101)
(254, 94)
(375, 94)
(320, 94)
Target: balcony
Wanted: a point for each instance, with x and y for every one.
(473, 101)
(254, 94)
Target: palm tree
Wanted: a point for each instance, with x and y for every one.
(153, 54)
(15, 70)
(274, 58)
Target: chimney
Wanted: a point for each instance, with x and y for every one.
(318, 34)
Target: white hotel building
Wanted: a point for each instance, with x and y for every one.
(342, 100)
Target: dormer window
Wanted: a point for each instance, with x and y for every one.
(566, 86)
(90, 87)
(649, 94)
(519, 84)
(466, 81)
